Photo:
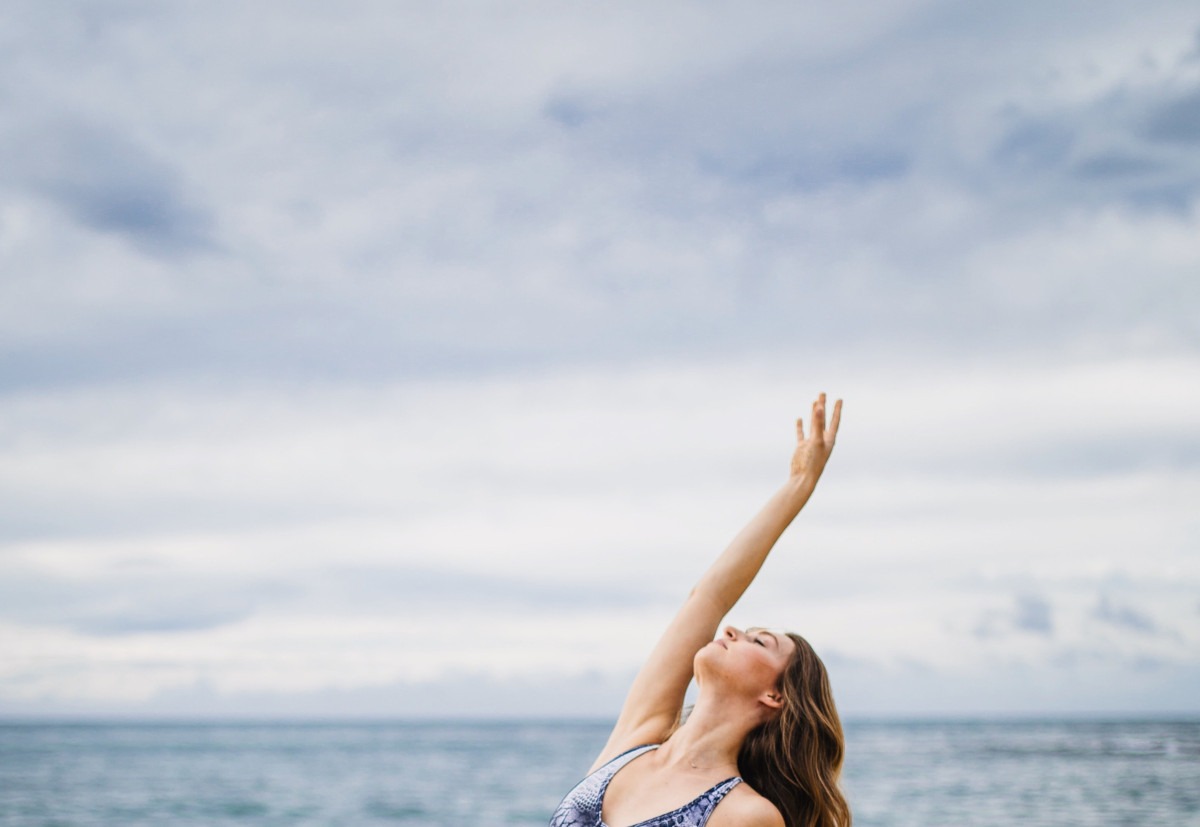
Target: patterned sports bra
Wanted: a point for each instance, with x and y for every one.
(583, 805)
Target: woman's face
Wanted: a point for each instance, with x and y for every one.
(752, 660)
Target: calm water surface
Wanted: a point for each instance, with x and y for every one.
(1033, 774)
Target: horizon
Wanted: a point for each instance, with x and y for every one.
(435, 720)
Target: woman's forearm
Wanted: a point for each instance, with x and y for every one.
(729, 577)
(733, 571)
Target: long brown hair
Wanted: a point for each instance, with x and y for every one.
(794, 759)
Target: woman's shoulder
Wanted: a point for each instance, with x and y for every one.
(744, 807)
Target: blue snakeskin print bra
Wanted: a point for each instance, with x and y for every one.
(582, 806)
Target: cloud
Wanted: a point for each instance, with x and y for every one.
(1029, 613)
(109, 185)
(1124, 617)
(1177, 121)
(327, 333)
(293, 539)
(138, 597)
(127, 603)
(383, 209)
(1033, 614)
(1126, 144)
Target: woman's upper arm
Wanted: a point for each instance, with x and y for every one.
(651, 709)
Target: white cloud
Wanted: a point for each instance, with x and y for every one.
(561, 516)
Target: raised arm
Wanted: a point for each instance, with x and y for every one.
(656, 697)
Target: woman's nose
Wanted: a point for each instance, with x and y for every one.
(732, 632)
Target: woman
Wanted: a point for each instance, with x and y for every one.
(762, 747)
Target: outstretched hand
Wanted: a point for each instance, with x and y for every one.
(813, 452)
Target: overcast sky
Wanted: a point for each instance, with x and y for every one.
(408, 358)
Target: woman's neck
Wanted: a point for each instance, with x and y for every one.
(710, 738)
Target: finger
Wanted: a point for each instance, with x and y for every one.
(800, 429)
(818, 418)
(837, 420)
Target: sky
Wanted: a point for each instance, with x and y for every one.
(412, 359)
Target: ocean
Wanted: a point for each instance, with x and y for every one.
(476, 774)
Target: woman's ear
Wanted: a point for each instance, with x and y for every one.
(772, 699)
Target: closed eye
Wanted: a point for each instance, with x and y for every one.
(759, 641)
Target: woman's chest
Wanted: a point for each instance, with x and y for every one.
(658, 799)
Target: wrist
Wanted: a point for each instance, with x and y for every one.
(800, 487)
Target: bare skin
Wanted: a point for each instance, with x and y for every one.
(737, 674)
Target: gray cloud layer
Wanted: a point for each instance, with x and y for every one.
(398, 202)
(109, 185)
(162, 602)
